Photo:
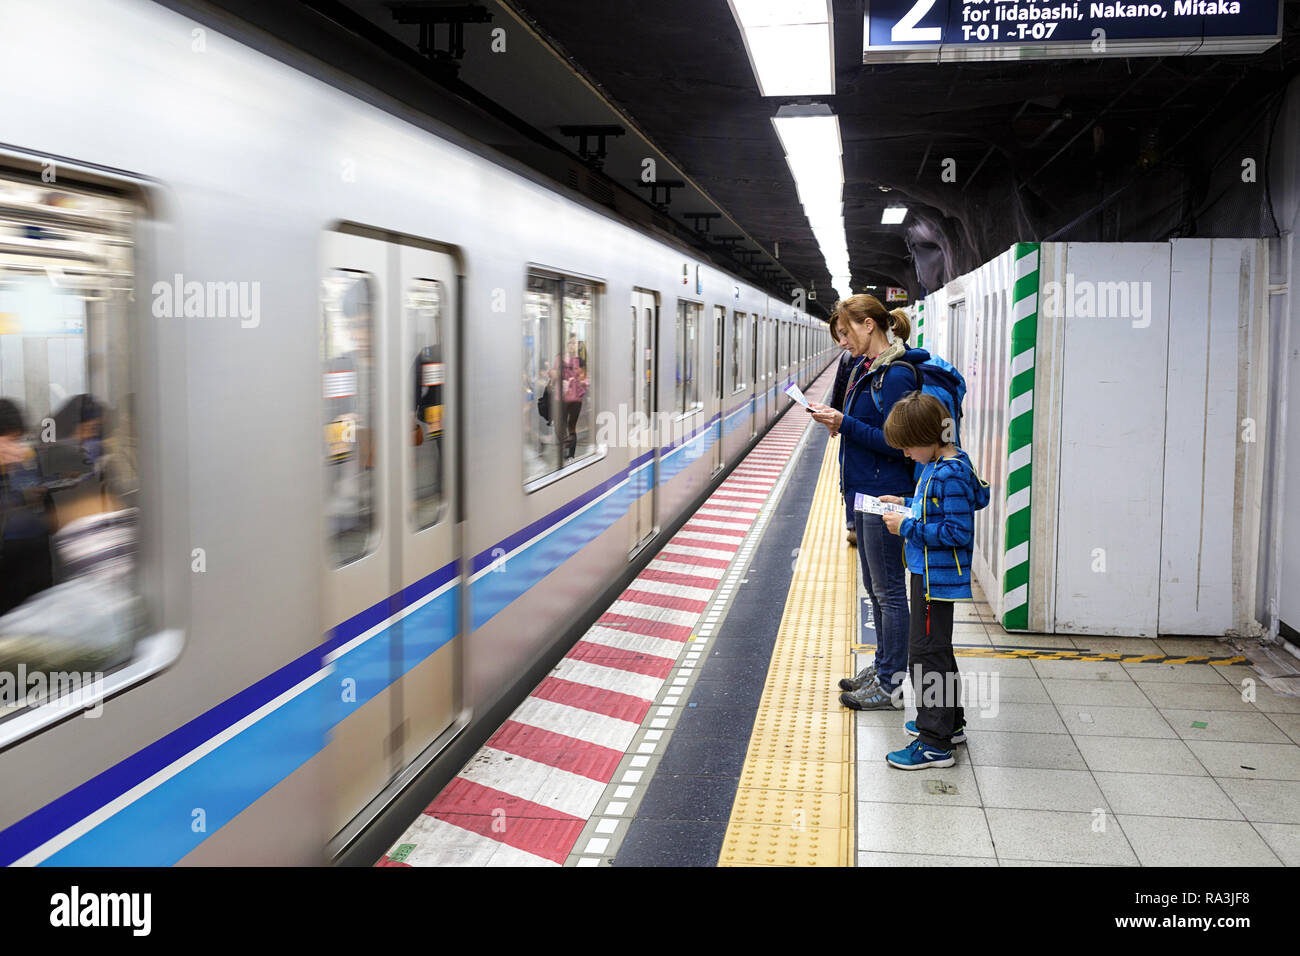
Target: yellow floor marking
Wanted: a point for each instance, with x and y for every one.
(1039, 654)
(794, 806)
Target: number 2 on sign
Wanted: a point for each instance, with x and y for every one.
(907, 31)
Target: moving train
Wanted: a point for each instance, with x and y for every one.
(391, 415)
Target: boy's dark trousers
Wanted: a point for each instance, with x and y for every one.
(934, 669)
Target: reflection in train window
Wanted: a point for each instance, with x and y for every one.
(347, 363)
(737, 343)
(687, 394)
(68, 463)
(560, 319)
(423, 307)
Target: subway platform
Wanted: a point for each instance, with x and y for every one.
(698, 724)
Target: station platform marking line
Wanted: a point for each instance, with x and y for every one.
(603, 835)
(794, 805)
(530, 795)
(1052, 654)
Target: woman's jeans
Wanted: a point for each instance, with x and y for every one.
(881, 556)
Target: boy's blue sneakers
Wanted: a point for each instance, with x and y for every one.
(917, 756)
(958, 737)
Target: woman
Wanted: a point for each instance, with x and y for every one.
(575, 389)
(874, 467)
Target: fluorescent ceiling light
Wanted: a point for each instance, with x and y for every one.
(790, 45)
(810, 137)
(893, 215)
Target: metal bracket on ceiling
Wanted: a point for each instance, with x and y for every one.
(701, 217)
(430, 14)
(667, 185)
(593, 158)
(730, 242)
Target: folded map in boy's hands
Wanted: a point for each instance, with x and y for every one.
(874, 506)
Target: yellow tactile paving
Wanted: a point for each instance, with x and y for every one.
(794, 806)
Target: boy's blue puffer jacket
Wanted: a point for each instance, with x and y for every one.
(869, 464)
(941, 531)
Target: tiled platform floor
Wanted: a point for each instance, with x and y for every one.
(1090, 763)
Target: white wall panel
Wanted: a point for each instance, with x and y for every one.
(1206, 314)
(1112, 442)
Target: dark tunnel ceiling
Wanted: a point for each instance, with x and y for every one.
(679, 68)
(1038, 146)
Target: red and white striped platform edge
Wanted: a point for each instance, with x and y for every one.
(525, 797)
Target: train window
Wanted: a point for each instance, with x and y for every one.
(688, 356)
(560, 319)
(347, 365)
(69, 603)
(424, 318)
(719, 349)
(737, 343)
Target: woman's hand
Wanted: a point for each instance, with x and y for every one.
(892, 520)
(827, 416)
(891, 499)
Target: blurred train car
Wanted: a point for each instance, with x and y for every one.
(383, 417)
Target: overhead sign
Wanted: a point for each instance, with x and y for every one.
(899, 30)
(895, 294)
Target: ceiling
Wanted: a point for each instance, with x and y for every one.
(1095, 149)
(1036, 145)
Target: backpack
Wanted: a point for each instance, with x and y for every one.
(933, 377)
(544, 404)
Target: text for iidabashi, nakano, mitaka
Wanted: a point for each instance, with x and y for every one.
(1011, 20)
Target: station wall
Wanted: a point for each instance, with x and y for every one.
(1278, 594)
(1117, 396)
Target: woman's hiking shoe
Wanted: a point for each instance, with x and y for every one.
(872, 696)
(865, 676)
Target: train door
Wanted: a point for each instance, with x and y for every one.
(387, 345)
(719, 333)
(423, 516)
(753, 377)
(644, 438)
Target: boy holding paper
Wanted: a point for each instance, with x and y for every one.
(938, 537)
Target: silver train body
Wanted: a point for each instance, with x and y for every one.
(277, 705)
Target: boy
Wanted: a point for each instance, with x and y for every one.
(938, 540)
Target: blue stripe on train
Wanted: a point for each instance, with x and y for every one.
(230, 778)
(515, 575)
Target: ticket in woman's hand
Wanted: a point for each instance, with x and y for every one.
(793, 391)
